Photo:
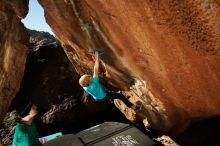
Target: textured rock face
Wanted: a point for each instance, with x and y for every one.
(169, 48)
(13, 50)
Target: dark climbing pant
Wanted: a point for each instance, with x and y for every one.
(114, 95)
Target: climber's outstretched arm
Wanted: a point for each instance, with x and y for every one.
(96, 66)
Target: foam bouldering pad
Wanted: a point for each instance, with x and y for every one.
(66, 140)
(114, 134)
(105, 134)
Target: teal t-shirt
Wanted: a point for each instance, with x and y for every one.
(96, 89)
(25, 135)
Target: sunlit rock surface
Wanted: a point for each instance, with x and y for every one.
(164, 53)
(13, 50)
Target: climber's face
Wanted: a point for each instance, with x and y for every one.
(85, 80)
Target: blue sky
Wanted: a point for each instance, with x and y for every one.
(35, 18)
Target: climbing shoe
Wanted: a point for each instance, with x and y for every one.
(138, 106)
(102, 75)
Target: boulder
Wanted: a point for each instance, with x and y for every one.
(165, 54)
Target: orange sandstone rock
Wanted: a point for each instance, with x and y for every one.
(164, 53)
(172, 46)
(13, 50)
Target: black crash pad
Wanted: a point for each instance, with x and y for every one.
(105, 134)
(66, 140)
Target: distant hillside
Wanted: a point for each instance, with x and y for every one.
(41, 37)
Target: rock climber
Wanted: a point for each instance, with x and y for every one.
(25, 132)
(92, 85)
